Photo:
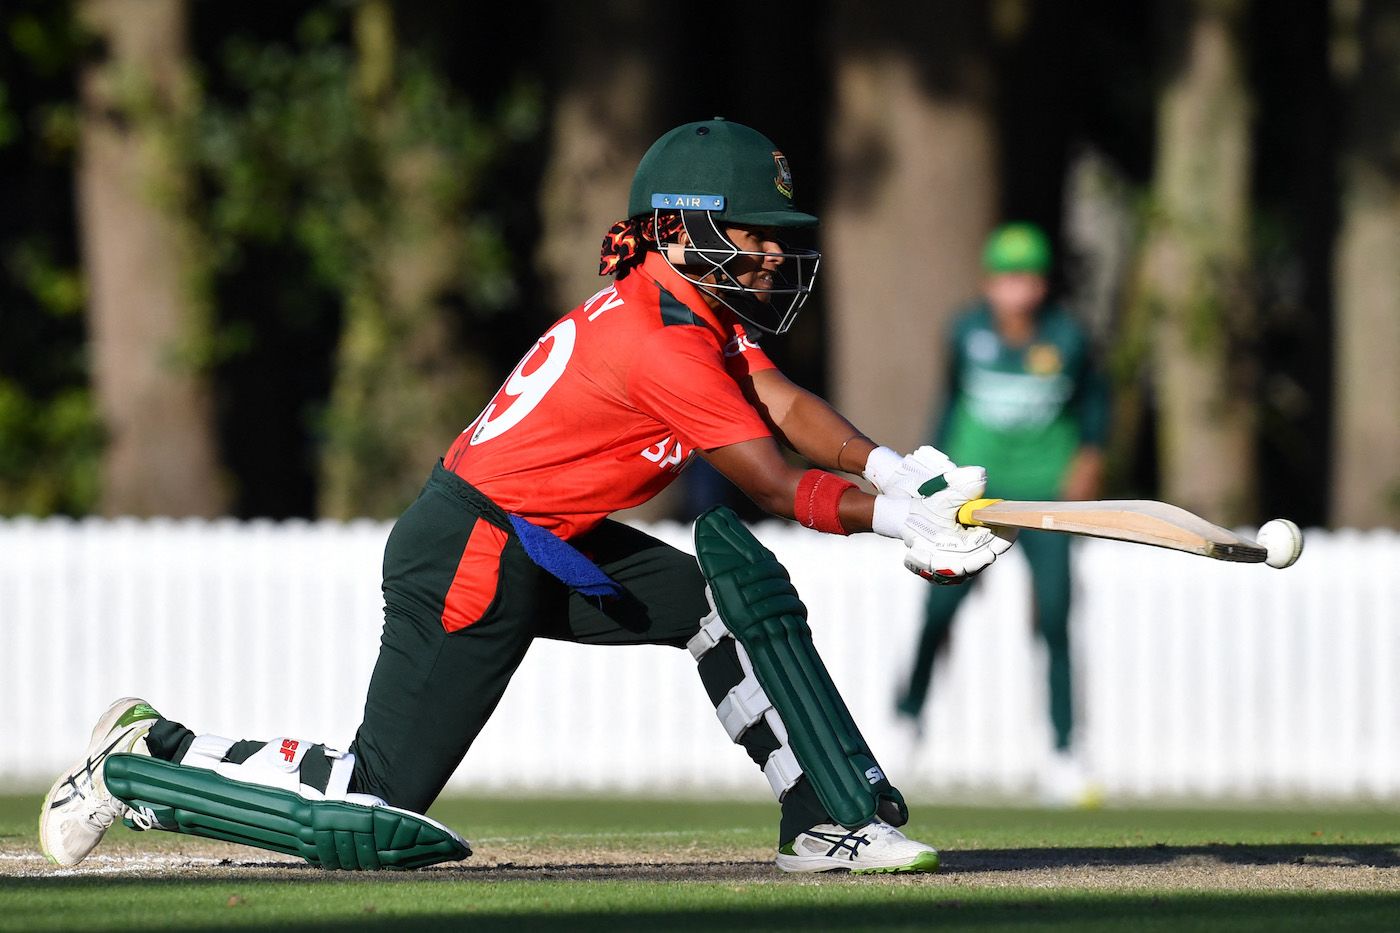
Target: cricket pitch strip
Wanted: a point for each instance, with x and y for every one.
(1221, 867)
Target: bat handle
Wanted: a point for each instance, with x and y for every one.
(966, 516)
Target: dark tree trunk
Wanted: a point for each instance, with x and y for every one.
(1366, 487)
(913, 194)
(1196, 262)
(148, 314)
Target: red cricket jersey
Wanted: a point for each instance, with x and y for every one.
(604, 411)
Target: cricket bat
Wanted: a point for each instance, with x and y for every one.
(1140, 521)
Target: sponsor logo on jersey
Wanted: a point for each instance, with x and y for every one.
(738, 344)
(1043, 359)
(1013, 401)
(783, 180)
(667, 454)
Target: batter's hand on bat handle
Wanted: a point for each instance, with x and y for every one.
(967, 516)
(939, 548)
(894, 475)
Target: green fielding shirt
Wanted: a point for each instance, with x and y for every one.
(1021, 412)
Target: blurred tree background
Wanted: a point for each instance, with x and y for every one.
(267, 259)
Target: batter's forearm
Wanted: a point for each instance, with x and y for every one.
(823, 436)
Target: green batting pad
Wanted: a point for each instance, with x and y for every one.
(760, 607)
(327, 833)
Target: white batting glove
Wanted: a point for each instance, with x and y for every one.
(939, 549)
(894, 475)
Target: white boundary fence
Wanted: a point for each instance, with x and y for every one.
(1195, 678)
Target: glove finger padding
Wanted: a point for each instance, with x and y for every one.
(943, 571)
(949, 556)
(916, 469)
(893, 475)
(941, 550)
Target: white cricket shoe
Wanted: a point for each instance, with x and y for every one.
(908, 747)
(873, 848)
(78, 809)
(1064, 783)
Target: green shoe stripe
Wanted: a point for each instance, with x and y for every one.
(137, 713)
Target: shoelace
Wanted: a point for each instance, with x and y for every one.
(105, 814)
(143, 818)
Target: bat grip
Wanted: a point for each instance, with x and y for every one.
(966, 516)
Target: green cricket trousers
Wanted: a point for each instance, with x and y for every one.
(1048, 554)
(462, 604)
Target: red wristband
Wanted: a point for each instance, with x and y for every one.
(818, 501)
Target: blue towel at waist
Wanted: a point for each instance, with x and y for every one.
(563, 561)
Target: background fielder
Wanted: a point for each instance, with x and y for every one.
(1024, 397)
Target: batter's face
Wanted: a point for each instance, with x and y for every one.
(755, 272)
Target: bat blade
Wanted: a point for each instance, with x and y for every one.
(1139, 521)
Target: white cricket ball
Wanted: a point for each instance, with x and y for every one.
(1283, 540)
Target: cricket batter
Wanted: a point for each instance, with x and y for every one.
(510, 541)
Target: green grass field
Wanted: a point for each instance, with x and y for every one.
(625, 864)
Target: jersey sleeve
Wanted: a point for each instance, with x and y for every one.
(682, 379)
(743, 356)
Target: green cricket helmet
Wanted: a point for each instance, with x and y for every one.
(714, 174)
(1017, 247)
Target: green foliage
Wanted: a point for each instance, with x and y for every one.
(47, 43)
(46, 36)
(366, 161)
(9, 123)
(50, 441)
(49, 452)
(56, 289)
(296, 157)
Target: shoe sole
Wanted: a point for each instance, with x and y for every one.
(104, 726)
(924, 863)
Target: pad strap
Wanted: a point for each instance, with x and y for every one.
(711, 631)
(818, 501)
(277, 764)
(341, 770)
(746, 704)
(781, 769)
(206, 751)
(743, 706)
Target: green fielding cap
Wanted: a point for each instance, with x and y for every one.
(727, 168)
(1017, 247)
